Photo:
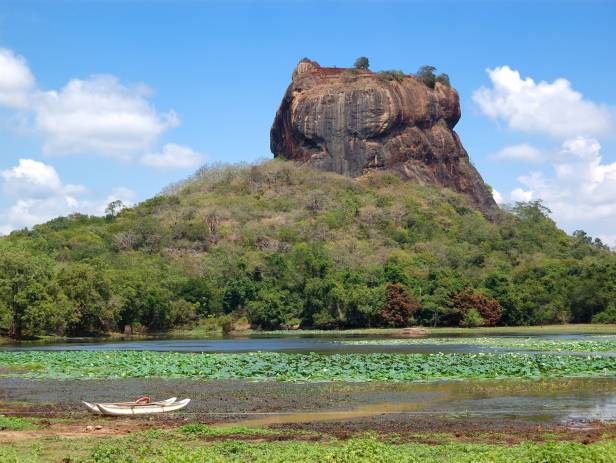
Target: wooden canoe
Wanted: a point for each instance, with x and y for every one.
(93, 407)
(115, 410)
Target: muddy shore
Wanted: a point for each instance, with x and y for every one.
(488, 411)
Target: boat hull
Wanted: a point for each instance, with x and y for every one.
(113, 410)
(94, 407)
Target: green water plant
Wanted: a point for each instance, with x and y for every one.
(272, 366)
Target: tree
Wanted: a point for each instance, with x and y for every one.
(607, 316)
(31, 302)
(394, 272)
(436, 300)
(317, 295)
(361, 63)
(113, 208)
(426, 75)
(500, 287)
(198, 292)
(399, 307)
(273, 309)
(89, 292)
(238, 291)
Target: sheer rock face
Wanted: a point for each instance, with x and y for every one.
(351, 122)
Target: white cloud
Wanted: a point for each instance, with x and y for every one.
(126, 195)
(521, 195)
(522, 152)
(40, 195)
(554, 108)
(580, 190)
(497, 197)
(99, 115)
(174, 156)
(31, 179)
(16, 80)
(608, 239)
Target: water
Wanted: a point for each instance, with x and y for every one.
(573, 401)
(291, 344)
(324, 343)
(566, 401)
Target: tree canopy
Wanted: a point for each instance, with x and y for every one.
(287, 246)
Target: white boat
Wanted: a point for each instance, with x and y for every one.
(142, 409)
(93, 407)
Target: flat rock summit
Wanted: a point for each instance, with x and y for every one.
(353, 121)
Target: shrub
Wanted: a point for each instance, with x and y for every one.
(607, 316)
(323, 319)
(468, 299)
(426, 75)
(472, 318)
(361, 63)
(443, 79)
(391, 75)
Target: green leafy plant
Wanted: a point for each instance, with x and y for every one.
(273, 366)
(393, 75)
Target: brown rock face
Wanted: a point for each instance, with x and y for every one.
(351, 122)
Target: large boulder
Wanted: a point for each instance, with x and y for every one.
(353, 121)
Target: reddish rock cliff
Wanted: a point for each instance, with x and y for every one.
(351, 121)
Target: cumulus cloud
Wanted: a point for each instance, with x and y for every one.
(16, 80)
(498, 198)
(96, 115)
(174, 156)
(33, 179)
(580, 188)
(519, 194)
(555, 109)
(40, 195)
(99, 115)
(522, 152)
(573, 180)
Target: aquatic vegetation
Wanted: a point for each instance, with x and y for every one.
(590, 344)
(272, 366)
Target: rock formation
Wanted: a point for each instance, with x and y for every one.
(353, 121)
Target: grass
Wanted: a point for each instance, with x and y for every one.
(9, 423)
(208, 331)
(268, 366)
(172, 447)
(582, 328)
(200, 430)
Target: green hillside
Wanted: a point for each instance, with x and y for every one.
(284, 245)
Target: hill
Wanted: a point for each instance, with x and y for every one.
(284, 245)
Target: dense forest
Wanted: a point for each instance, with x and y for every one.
(279, 245)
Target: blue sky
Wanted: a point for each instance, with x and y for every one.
(118, 99)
